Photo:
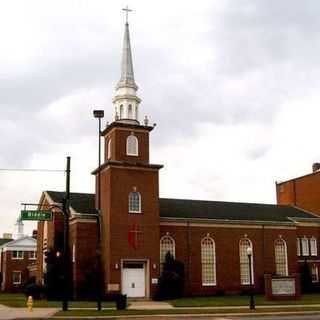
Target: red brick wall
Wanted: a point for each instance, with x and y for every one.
(10, 265)
(302, 192)
(117, 221)
(54, 237)
(83, 236)
(227, 254)
(118, 138)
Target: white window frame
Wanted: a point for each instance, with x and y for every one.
(241, 251)
(132, 139)
(298, 247)
(204, 263)
(73, 253)
(33, 255)
(313, 247)
(314, 267)
(109, 149)
(20, 277)
(18, 257)
(285, 256)
(305, 246)
(129, 202)
(165, 249)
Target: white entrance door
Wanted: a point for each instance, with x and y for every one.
(133, 280)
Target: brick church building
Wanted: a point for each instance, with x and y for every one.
(138, 227)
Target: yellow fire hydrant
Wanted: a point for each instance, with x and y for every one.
(30, 303)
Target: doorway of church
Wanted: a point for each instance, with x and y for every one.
(133, 279)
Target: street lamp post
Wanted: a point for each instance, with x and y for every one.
(251, 304)
(99, 114)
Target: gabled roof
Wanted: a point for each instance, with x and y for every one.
(79, 202)
(26, 242)
(199, 209)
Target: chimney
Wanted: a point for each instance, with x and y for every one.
(316, 167)
(34, 234)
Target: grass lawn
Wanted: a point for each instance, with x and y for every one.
(111, 313)
(19, 301)
(240, 301)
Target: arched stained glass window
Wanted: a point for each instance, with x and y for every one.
(134, 202)
(167, 244)
(281, 259)
(244, 262)
(132, 145)
(208, 261)
(109, 149)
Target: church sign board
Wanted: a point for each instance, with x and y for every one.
(282, 287)
(36, 215)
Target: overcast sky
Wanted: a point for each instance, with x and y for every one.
(232, 85)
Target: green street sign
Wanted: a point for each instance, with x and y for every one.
(36, 215)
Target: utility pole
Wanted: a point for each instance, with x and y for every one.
(66, 251)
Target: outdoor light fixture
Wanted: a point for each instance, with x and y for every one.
(99, 114)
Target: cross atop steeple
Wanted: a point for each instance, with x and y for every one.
(127, 10)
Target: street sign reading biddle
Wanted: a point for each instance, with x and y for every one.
(36, 215)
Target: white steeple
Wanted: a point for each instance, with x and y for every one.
(19, 229)
(126, 102)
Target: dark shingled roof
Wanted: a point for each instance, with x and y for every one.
(80, 202)
(220, 210)
(200, 209)
(4, 241)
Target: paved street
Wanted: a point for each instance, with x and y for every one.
(276, 317)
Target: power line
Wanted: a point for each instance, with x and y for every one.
(31, 170)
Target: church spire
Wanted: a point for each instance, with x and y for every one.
(126, 101)
(127, 75)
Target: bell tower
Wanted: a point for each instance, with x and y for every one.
(130, 193)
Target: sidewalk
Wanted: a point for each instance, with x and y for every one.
(8, 313)
(157, 305)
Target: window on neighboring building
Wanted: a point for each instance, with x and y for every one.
(109, 149)
(16, 277)
(314, 273)
(132, 145)
(313, 247)
(281, 260)
(73, 253)
(208, 261)
(167, 244)
(298, 247)
(17, 254)
(130, 111)
(121, 111)
(244, 262)
(305, 246)
(134, 202)
(33, 255)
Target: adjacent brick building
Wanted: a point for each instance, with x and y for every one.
(16, 258)
(138, 228)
